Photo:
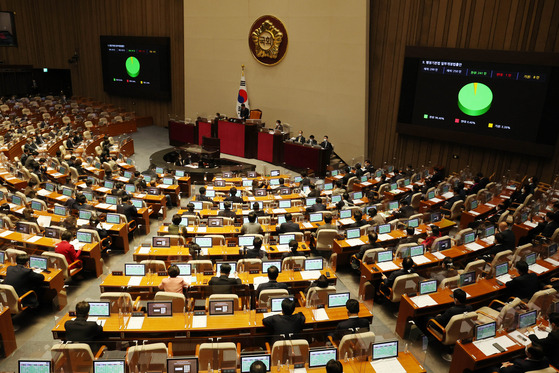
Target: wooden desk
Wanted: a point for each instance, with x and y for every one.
(181, 133)
(237, 138)
(7, 332)
(306, 157)
(481, 212)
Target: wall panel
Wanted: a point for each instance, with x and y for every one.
(515, 25)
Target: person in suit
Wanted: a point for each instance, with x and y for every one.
(256, 250)
(376, 217)
(190, 210)
(300, 138)
(176, 228)
(318, 206)
(65, 248)
(353, 323)
(227, 212)
(82, 331)
(549, 344)
(289, 225)
(233, 196)
(345, 201)
(524, 285)
(334, 366)
(272, 283)
(312, 141)
(173, 283)
(286, 325)
(446, 270)
(202, 195)
(326, 145)
(433, 234)
(293, 246)
(327, 224)
(405, 210)
(359, 222)
(256, 209)
(411, 237)
(407, 268)
(244, 113)
(459, 307)
(23, 279)
(223, 284)
(535, 360)
(279, 126)
(371, 244)
(313, 191)
(509, 240)
(127, 209)
(252, 227)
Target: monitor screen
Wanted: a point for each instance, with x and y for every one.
(246, 240)
(184, 268)
(85, 237)
(99, 309)
(138, 203)
(406, 182)
(113, 219)
(413, 223)
(52, 232)
(353, 233)
(489, 231)
(384, 256)
(111, 200)
(330, 186)
(204, 242)
(416, 250)
(179, 173)
(16, 200)
(274, 182)
(22, 227)
(276, 303)
(260, 192)
(281, 219)
(337, 299)
(469, 237)
(501, 269)
(275, 173)
(49, 187)
(364, 178)
(247, 183)
(383, 229)
(436, 217)
(357, 195)
(147, 178)
(168, 180)
(36, 205)
(467, 278)
(285, 238)
(198, 205)
(313, 264)
(385, 350)
(109, 184)
(85, 214)
(284, 204)
(134, 269)
(485, 331)
(531, 258)
(334, 173)
(392, 205)
(88, 195)
(344, 214)
(182, 365)
(551, 250)
(127, 174)
(527, 319)
(431, 195)
(252, 174)
(215, 222)
(320, 357)
(109, 366)
(159, 308)
(130, 188)
(34, 366)
(335, 199)
(269, 263)
(316, 217)
(443, 244)
(153, 191)
(161, 241)
(221, 307)
(60, 210)
(2, 257)
(246, 362)
(62, 170)
(285, 192)
(38, 262)
(427, 287)
(159, 170)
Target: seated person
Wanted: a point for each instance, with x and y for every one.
(65, 248)
(227, 210)
(256, 209)
(432, 235)
(94, 224)
(354, 323)
(80, 203)
(202, 195)
(405, 210)
(318, 206)
(377, 218)
(190, 210)
(23, 279)
(344, 202)
(127, 209)
(293, 246)
(525, 284)
(313, 191)
(80, 330)
(549, 344)
(286, 325)
(447, 270)
(224, 284)
(289, 225)
(258, 367)
(173, 283)
(176, 227)
(498, 247)
(334, 366)
(411, 237)
(459, 307)
(272, 283)
(535, 360)
(256, 250)
(371, 244)
(252, 227)
(321, 282)
(359, 222)
(327, 223)
(407, 268)
(233, 196)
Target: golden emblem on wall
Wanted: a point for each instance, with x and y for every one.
(268, 40)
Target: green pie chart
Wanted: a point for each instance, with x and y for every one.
(132, 67)
(475, 99)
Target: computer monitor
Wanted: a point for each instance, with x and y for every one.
(501, 269)
(353, 233)
(138, 203)
(260, 192)
(184, 268)
(485, 331)
(246, 240)
(315, 264)
(378, 173)
(469, 237)
(160, 308)
(268, 263)
(88, 195)
(344, 214)
(275, 303)
(383, 229)
(330, 186)
(179, 173)
(153, 191)
(60, 210)
(50, 187)
(22, 227)
(113, 218)
(36, 205)
(159, 170)
(284, 204)
(130, 188)
(338, 299)
(99, 309)
(111, 200)
(16, 200)
(320, 357)
(489, 231)
(161, 241)
(527, 319)
(384, 256)
(357, 195)
(285, 238)
(247, 360)
(436, 217)
(147, 178)
(232, 264)
(252, 174)
(285, 192)
(182, 365)
(85, 214)
(531, 258)
(467, 278)
(385, 350)
(39, 262)
(473, 204)
(2, 257)
(431, 195)
(407, 182)
(134, 269)
(85, 237)
(551, 250)
(34, 366)
(334, 173)
(247, 183)
(109, 184)
(204, 242)
(413, 223)
(215, 222)
(127, 174)
(62, 170)
(335, 199)
(198, 205)
(443, 244)
(274, 173)
(221, 307)
(274, 182)
(416, 250)
(281, 219)
(168, 180)
(52, 232)
(427, 287)
(109, 366)
(393, 186)
(315, 217)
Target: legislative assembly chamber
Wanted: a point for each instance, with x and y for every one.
(281, 186)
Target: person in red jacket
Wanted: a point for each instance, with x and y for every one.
(65, 248)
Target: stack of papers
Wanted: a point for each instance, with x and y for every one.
(537, 268)
(387, 266)
(106, 226)
(268, 314)
(135, 280)
(486, 345)
(489, 240)
(439, 255)
(423, 301)
(140, 195)
(490, 205)
(199, 321)
(307, 225)
(103, 190)
(366, 183)
(388, 365)
(357, 201)
(397, 191)
(188, 279)
(520, 338)
(530, 224)
(384, 237)
(81, 222)
(473, 246)
(135, 323)
(504, 278)
(355, 242)
(33, 239)
(552, 261)
(103, 206)
(421, 259)
(320, 314)
(448, 195)
(43, 192)
(44, 220)
(310, 275)
(144, 250)
(282, 248)
(259, 280)
(346, 221)
(279, 211)
(251, 199)
(436, 200)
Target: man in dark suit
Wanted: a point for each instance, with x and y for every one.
(223, 284)
(23, 279)
(286, 325)
(549, 344)
(244, 113)
(202, 195)
(509, 240)
(272, 283)
(318, 206)
(312, 141)
(405, 210)
(288, 226)
(353, 323)
(524, 285)
(326, 145)
(227, 210)
(293, 247)
(127, 209)
(300, 138)
(359, 222)
(407, 268)
(534, 360)
(256, 251)
(233, 196)
(256, 209)
(459, 307)
(82, 331)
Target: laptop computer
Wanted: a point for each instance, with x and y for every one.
(527, 319)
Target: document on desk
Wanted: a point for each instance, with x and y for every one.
(473, 246)
(268, 314)
(423, 301)
(537, 268)
(279, 211)
(520, 338)
(366, 183)
(435, 200)
(43, 192)
(33, 239)
(504, 278)
(103, 190)
(421, 259)
(346, 221)
(135, 280)
(204, 251)
(199, 321)
(387, 266)
(307, 225)
(504, 341)
(103, 206)
(259, 280)
(282, 248)
(530, 224)
(135, 323)
(81, 222)
(385, 237)
(396, 191)
(552, 261)
(6, 233)
(474, 213)
(310, 275)
(541, 334)
(489, 240)
(355, 242)
(320, 314)
(486, 346)
(141, 195)
(448, 195)
(391, 365)
(490, 205)
(106, 226)
(44, 220)
(251, 199)
(201, 230)
(144, 250)
(439, 255)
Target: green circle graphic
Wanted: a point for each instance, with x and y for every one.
(475, 99)
(132, 67)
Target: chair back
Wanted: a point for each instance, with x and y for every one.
(179, 300)
(13, 253)
(247, 265)
(459, 327)
(233, 297)
(356, 345)
(220, 355)
(415, 199)
(200, 266)
(154, 266)
(499, 258)
(507, 315)
(147, 358)
(403, 248)
(72, 357)
(292, 262)
(217, 239)
(265, 296)
(476, 265)
(118, 301)
(370, 256)
(325, 239)
(542, 300)
(450, 282)
(9, 298)
(520, 253)
(56, 260)
(404, 285)
(295, 351)
(317, 295)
